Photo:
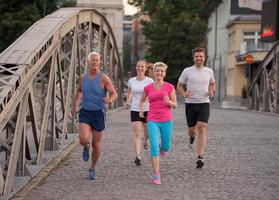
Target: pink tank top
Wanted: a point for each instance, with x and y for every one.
(158, 110)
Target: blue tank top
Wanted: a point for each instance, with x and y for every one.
(92, 93)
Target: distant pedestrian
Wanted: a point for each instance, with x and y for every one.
(135, 90)
(200, 85)
(92, 92)
(161, 96)
(149, 70)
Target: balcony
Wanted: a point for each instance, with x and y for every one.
(257, 50)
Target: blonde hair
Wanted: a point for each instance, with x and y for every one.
(160, 64)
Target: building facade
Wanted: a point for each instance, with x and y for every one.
(233, 36)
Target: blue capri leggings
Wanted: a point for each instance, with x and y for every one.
(155, 130)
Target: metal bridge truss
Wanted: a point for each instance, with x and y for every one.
(263, 92)
(38, 78)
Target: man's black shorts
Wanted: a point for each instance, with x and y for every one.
(135, 116)
(197, 112)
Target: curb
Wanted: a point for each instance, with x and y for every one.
(44, 173)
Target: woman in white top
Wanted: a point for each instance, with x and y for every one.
(135, 90)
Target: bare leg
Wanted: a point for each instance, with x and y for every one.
(156, 168)
(96, 150)
(202, 134)
(192, 131)
(145, 132)
(84, 134)
(137, 127)
(156, 164)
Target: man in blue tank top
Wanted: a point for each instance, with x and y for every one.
(92, 93)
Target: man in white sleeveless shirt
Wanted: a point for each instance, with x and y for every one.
(200, 85)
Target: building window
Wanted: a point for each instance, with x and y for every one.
(251, 41)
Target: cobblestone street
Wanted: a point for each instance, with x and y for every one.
(241, 162)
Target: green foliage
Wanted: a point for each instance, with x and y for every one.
(174, 30)
(127, 56)
(17, 16)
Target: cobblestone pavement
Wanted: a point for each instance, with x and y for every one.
(241, 162)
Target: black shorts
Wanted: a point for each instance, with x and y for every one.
(95, 119)
(197, 112)
(135, 116)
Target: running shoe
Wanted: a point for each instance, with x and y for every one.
(200, 162)
(92, 174)
(85, 153)
(163, 153)
(192, 139)
(138, 161)
(156, 179)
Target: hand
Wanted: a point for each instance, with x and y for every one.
(211, 93)
(167, 100)
(74, 111)
(141, 114)
(188, 94)
(127, 105)
(107, 100)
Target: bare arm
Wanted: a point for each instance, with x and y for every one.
(77, 97)
(181, 90)
(111, 90)
(142, 100)
(211, 88)
(171, 100)
(129, 98)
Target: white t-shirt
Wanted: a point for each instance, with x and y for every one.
(137, 90)
(197, 81)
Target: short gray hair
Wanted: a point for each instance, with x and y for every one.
(93, 53)
(160, 64)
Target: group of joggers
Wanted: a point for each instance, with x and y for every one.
(150, 100)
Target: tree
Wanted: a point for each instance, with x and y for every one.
(17, 16)
(127, 56)
(174, 29)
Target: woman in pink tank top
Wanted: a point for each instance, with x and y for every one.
(161, 96)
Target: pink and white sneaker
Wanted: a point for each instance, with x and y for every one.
(163, 153)
(156, 179)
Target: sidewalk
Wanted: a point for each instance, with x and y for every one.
(241, 162)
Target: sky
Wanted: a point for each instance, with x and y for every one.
(128, 9)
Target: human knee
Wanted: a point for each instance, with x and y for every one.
(83, 141)
(154, 153)
(96, 144)
(166, 144)
(201, 126)
(137, 135)
(154, 147)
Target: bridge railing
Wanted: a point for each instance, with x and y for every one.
(263, 92)
(38, 78)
